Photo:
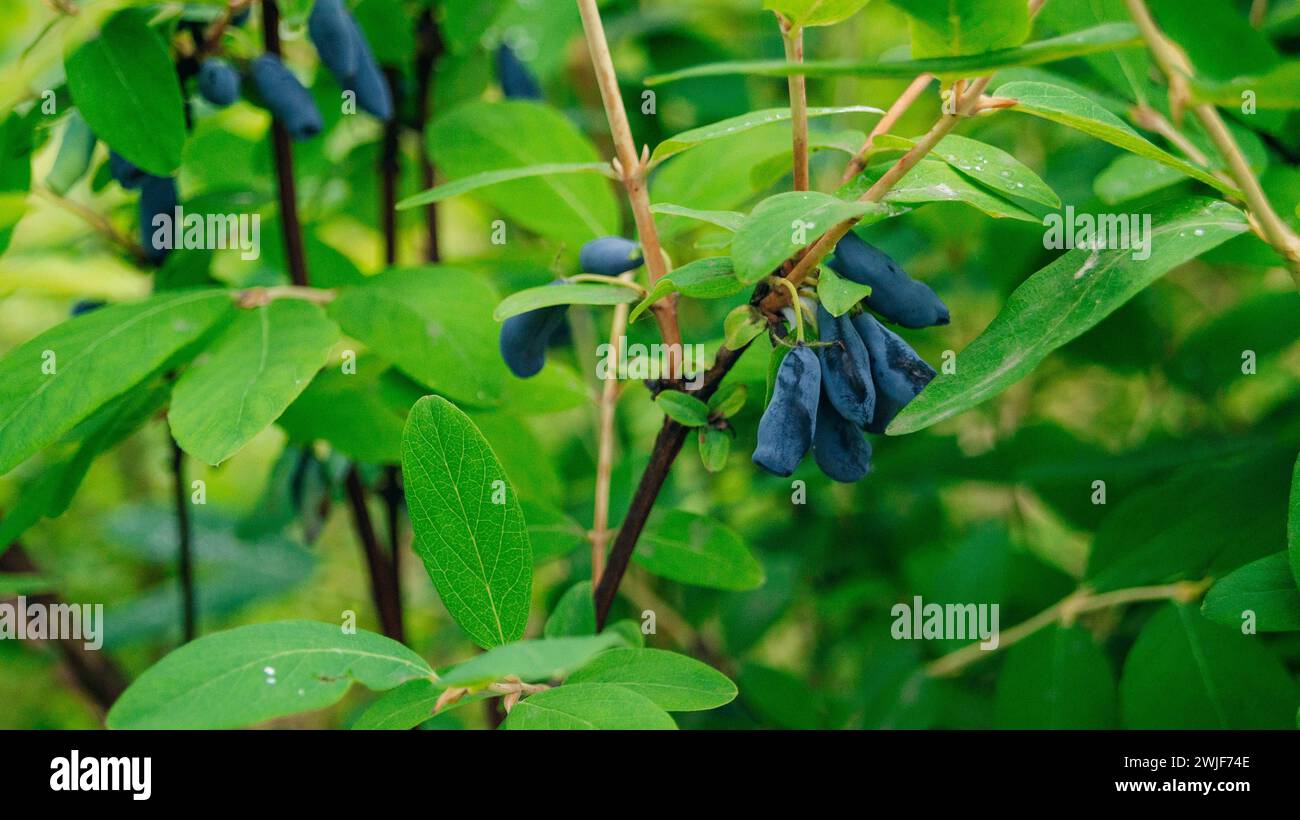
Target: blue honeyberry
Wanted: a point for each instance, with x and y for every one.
(330, 28)
(894, 295)
(370, 85)
(84, 306)
(240, 17)
(525, 337)
(899, 373)
(846, 368)
(218, 82)
(786, 430)
(286, 98)
(75, 152)
(157, 198)
(610, 256)
(841, 450)
(517, 82)
(124, 171)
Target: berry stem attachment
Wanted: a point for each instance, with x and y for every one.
(795, 304)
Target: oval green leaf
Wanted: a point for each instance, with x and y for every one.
(475, 550)
(676, 683)
(698, 551)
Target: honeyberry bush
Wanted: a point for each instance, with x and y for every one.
(375, 470)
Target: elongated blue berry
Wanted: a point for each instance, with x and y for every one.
(846, 368)
(610, 256)
(124, 171)
(369, 83)
(900, 374)
(74, 155)
(218, 82)
(83, 306)
(287, 99)
(842, 452)
(524, 338)
(517, 82)
(157, 198)
(330, 29)
(894, 295)
(785, 433)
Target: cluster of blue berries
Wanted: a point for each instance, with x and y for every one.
(859, 377)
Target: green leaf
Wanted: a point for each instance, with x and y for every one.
(354, 412)
(12, 584)
(588, 706)
(676, 683)
(403, 707)
(935, 181)
(487, 178)
(1057, 679)
(15, 172)
(1131, 176)
(698, 551)
(50, 493)
(579, 293)
(742, 326)
(552, 533)
(1293, 523)
(729, 400)
(815, 12)
(994, 168)
(728, 220)
(574, 613)
(958, 27)
(1278, 88)
(250, 674)
(530, 661)
(1060, 302)
(492, 136)
(781, 699)
(683, 408)
(782, 224)
(1071, 109)
(1075, 44)
(838, 294)
(711, 278)
(95, 358)
(125, 86)
(254, 370)
(1184, 672)
(1264, 588)
(469, 528)
(715, 447)
(745, 122)
(434, 324)
(1194, 522)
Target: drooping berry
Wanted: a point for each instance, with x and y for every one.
(846, 368)
(74, 155)
(786, 430)
(157, 198)
(610, 256)
(517, 82)
(124, 171)
(899, 373)
(894, 295)
(286, 97)
(842, 451)
(330, 28)
(369, 83)
(525, 337)
(218, 82)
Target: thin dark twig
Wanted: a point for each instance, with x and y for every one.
(94, 672)
(185, 546)
(428, 48)
(283, 148)
(382, 582)
(668, 444)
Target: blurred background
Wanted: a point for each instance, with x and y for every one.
(994, 506)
